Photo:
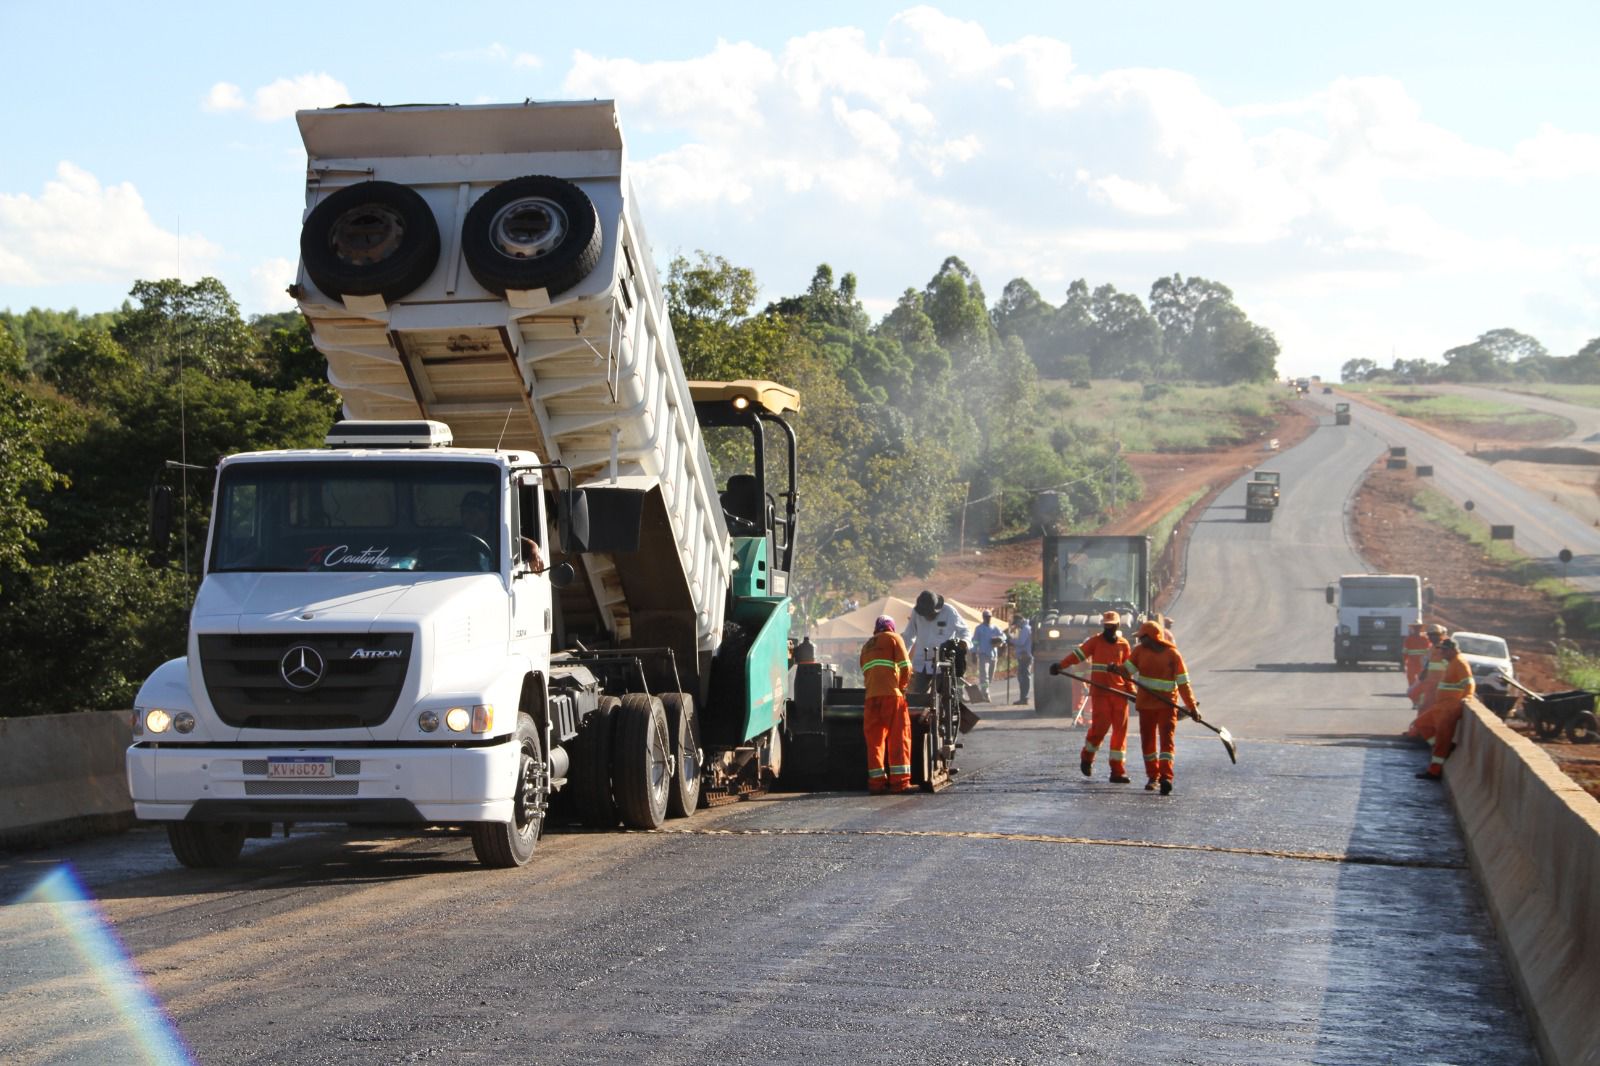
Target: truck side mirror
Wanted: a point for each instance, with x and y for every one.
(574, 521)
(161, 519)
(562, 574)
(1427, 594)
(1329, 593)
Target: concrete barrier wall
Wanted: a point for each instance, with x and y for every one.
(1533, 837)
(62, 775)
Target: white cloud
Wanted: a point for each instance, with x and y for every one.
(77, 229)
(284, 97)
(269, 283)
(279, 99)
(224, 96)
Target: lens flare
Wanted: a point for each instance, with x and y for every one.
(90, 1003)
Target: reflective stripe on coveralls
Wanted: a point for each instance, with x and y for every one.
(1159, 670)
(1109, 711)
(1453, 691)
(886, 720)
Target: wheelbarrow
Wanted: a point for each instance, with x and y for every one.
(1554, 713)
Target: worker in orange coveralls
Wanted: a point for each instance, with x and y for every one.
(1159, 674)
(1416, 648)
(886, 664)
(1454, 688)
(1422, 690)
(1104, 652)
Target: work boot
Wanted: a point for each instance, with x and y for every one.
(1166, 788)
(1121, 779)
(1150, 785)
(1087, 766)
(1435, 778)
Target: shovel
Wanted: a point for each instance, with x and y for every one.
(1222, 734)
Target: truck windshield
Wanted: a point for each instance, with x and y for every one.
(1390, 595)
(1093, 571)
(371, 515)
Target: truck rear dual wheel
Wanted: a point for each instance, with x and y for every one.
(375, 238)
(591, 771)
(642, 766)
(683, 727)
(534, 232)
(507, 844)
(201, 845)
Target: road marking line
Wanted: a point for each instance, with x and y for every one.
(1045, 838)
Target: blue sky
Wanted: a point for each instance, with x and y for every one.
(1371, 179)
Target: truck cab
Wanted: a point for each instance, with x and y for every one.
(1341, 414)
(1261, 494)
(1375, 613)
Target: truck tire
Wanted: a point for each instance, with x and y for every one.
(202, 845)
(591, 777)
(534, 232)
(642, 761)
(683, 726)
(375, 238)
(502, 845)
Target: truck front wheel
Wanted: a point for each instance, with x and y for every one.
(506, 844)
(200, 845)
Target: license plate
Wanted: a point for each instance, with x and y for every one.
(1380, 647)
(300, 766)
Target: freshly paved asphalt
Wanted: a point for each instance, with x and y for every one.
(1311, 904)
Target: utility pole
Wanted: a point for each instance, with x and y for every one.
(961, 538)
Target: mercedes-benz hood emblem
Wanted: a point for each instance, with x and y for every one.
(302, 667)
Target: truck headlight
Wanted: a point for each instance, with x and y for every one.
(1053, 634)
(482, 718)
(183, 722)
(156, 720)
(428, 721)
(458, 718)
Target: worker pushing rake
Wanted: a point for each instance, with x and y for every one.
(1150, 675)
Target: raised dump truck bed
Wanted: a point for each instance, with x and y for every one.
(508, 339)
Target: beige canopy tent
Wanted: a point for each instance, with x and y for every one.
(857, 625)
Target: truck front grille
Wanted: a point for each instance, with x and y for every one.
(345, 680)
(1380, 625)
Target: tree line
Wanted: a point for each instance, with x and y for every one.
(904, 419)
(1500, 355)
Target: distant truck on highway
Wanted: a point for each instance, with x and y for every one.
(1261, 494)
(1375, 614)
(1084, 576)
(511, 572)
(1341, 414)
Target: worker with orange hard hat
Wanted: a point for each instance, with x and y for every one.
(1422, 690)
(886, 719)
(1159, 674)
(1455, 685)
(1104, 652)
(1416, 648)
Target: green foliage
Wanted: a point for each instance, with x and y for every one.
(1577, 669)
(1466, 411)
(194, 326)
(13, 356)
(1028, 597)
(42, 332)
(24, 428)
(1162, 531)
(84, 635)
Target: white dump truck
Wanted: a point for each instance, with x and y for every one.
(1375, 614)
(511, 573)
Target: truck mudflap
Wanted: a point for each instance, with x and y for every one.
(827, 749)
